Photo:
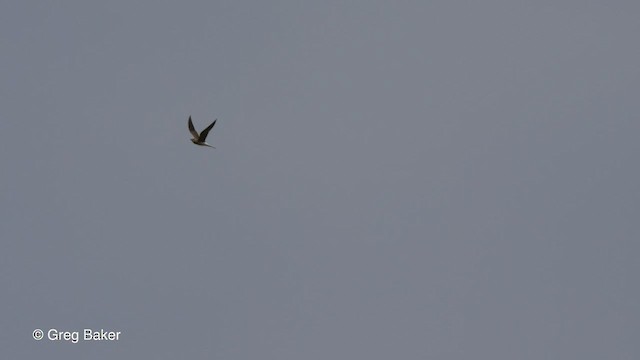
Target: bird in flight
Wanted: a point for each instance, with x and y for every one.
(199, 139)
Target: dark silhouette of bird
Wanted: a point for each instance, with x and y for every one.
(199, 139)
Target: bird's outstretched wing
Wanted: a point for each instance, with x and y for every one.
(192, 129)
(205, 132)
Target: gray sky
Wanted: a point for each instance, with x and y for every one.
(392, 180)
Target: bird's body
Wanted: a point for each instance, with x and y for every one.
(199, 139)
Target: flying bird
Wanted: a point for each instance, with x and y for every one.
(199, 139)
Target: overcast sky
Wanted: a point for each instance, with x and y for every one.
(391, 179)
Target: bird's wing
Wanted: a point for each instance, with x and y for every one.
(192, 129)
(205, 132)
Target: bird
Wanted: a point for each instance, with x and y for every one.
(199, 139)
